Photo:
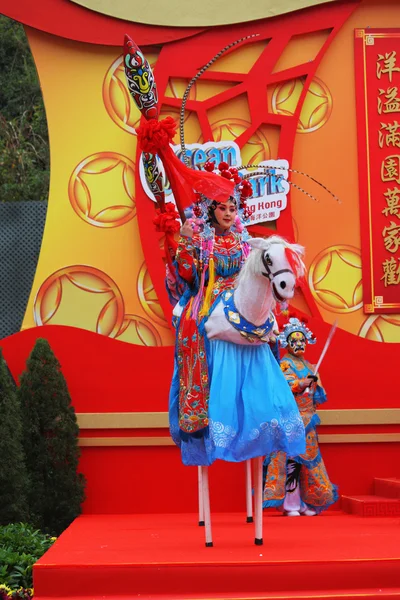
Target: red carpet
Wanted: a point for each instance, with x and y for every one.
(163, 556)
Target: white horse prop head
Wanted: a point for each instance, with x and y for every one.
(268, 276)
(278, 261)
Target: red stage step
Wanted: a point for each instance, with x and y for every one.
(371, 506)
(160, 557)
(384, 503)
(389, 488)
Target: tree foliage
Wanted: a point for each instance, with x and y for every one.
(24, 146)
(13, 478)
(56, 489)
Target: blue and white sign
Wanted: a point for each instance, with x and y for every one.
(270, 188)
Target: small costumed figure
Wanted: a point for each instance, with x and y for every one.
(300, 485)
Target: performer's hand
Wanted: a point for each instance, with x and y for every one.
(187, 229)
(306, 382)
(312, 378)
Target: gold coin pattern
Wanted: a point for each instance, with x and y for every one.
(317, 106)
(335, 279)
(97, 298)
(95, 180)
(148, 298)
(254, 151)
(381, 328)
(176, 87)
(140, 331)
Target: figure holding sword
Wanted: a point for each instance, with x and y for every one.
(300, 485)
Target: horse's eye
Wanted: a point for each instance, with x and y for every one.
(268, 260)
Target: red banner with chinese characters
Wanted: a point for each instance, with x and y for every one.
(377, 75)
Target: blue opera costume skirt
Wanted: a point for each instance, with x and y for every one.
(252, 411)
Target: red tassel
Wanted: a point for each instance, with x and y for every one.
(155, 137)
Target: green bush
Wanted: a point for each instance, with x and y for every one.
(20, 547)
(13, 477)
(56, 489)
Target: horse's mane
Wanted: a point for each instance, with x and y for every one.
(251, 267)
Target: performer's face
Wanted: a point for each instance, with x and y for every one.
(225, 214)
(297, 343)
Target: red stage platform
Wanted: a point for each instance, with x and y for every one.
(163, 557)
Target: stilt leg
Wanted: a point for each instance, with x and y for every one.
(258, 513)
(201, 500)
(249, 499)
(206, 501)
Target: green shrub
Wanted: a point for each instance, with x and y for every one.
(20, 547)
(13, 476)
(56, 489)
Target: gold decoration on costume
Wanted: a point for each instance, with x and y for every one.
(148, 298)
(259, 332)
(249, 338)
(139, 331)
(317, 105)
(234, 317)
(80, 296)
(381, 328)
(335, 279)
(102, 189)
(118, 102)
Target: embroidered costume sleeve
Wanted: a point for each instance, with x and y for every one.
(319, 394)
(186, 259)
(298, 381)
(291, 377)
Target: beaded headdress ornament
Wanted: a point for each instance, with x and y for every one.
(292, 326)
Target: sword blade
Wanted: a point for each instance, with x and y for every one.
(327, 344)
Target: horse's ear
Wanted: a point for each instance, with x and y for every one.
(259, 243)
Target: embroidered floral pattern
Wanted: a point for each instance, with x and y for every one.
(191, 350)
(193, 378)
(274, 489)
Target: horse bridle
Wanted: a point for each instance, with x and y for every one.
(269, 273)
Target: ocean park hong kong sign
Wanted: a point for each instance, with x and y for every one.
(270, 188)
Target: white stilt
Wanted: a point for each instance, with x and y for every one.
(201, 499)
(206, 505)
(258, 513)
(249, 498)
